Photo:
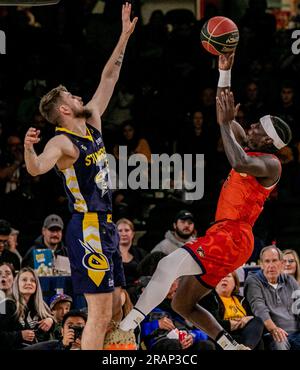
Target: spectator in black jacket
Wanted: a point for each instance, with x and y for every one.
(131, 255)
(5, 254)
(72, 327)
(233, 312)
(51, 238)
(25, 319)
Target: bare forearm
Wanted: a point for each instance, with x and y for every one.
(114, 64)
(270, 325)
(32, 162)
(234, 152)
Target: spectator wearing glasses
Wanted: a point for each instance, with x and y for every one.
(51, 238)
(5, 254)
(291, 264)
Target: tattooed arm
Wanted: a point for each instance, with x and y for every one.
(111, 71)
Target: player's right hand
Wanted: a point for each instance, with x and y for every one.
(31, 138)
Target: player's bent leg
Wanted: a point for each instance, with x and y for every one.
(176, 264)
(186, 303)
(99, 317)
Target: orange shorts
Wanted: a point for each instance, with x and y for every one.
(226, 246)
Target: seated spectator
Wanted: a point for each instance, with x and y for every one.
(134, 143)
(60, 305)
(233, 313)
(159, 329)
(291, 265)
(5, 254)
(7, 273)
(184, 231)
(27, 318)
(270, 295)
(13, 243)
(131, 255)
(73, 324)
(51, 238)
(12, 171)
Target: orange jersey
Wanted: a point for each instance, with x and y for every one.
(242, 197)
(228, 243)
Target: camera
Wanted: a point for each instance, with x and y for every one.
(77, 331)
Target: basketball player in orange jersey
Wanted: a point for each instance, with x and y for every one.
(227, 244)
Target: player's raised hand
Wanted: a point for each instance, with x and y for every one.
(128, 26)
(225, 107)
(226, 61)
(31, 138)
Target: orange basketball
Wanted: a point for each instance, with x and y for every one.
(219, 35)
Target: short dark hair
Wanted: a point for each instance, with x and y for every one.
(74, 313)
(5, 228)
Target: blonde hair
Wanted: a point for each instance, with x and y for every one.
(127, 222)
(295, 254)
(42, 310)
(48, 104)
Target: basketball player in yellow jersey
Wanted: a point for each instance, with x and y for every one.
(77, 151)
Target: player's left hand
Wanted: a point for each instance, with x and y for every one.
(128, 26)
(225, 107)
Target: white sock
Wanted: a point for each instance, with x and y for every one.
(132, 320)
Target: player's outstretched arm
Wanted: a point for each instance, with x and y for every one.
(40, 164)
(256, 166)
(225, 66)
(111, 71)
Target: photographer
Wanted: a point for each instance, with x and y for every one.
(73, 324)
(72, 327)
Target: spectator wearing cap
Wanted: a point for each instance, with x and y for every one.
(60, 305)
(184, 231)
(5, 254)
(51, 238)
